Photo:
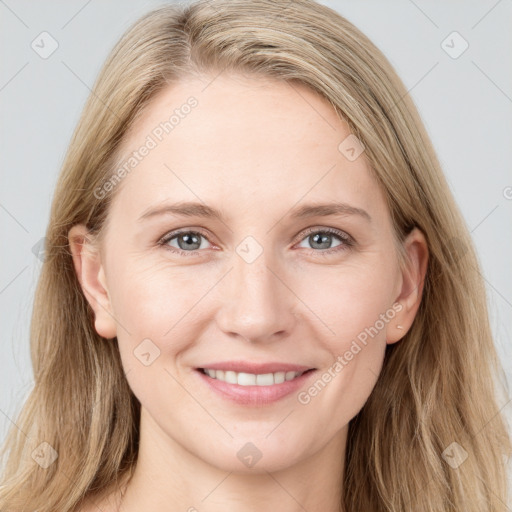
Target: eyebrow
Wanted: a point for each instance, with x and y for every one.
(193, 209)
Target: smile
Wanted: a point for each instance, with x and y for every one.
(253, 389)
(251, 379)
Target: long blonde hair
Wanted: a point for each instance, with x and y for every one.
(437, 386)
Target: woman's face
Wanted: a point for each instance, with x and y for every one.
(275, 281)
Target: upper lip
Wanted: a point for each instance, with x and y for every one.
(256, 368)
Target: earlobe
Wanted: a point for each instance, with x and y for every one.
(91, 276)
(413, 280)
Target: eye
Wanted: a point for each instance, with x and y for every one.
(188, 242)
(321, 240)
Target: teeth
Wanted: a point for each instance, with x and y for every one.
(250, 379)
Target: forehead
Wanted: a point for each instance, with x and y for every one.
(243, 142)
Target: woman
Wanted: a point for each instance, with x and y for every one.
(194, 348)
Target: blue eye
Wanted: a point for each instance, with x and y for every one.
(324, 237)
(189, 242)
(186, 240)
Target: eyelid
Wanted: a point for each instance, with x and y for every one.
(348, 240)
(171, 234)
(163, 241)
(322, 229)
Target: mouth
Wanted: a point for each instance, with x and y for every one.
(254, 389)
(252, 379)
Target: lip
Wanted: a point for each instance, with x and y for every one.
(255, 395)
(256, 368)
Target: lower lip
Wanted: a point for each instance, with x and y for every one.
(255, 395)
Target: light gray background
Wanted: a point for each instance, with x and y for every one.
(466, 104)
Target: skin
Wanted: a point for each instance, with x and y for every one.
(255, 149)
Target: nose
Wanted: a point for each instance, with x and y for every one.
(257, 302)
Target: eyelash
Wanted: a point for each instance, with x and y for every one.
(348, 242)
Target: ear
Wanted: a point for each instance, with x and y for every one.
(413, 279)
(91, 275)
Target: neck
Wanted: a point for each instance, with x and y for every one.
(169, 477)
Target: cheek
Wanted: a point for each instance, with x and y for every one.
(153, 298)
(354, 308)
(155, 308)
(351, 302)
(158, 303)
(342, 303)
(339, 306)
